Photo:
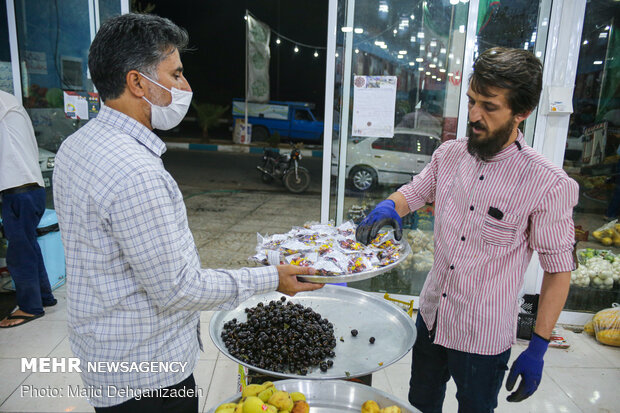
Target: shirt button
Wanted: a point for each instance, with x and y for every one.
(471, 208)
(444, 295)
(462, 238)
(481, 177)
(452, 267)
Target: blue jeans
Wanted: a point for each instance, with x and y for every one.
(478, 378)
(21, 214)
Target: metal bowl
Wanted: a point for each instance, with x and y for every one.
(335, 396)
(346, 308)
(364, 275)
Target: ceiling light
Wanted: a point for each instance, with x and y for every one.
(428, 73)
(420, 35)
(411, 63)
(402, 52)
(347, 29)
(597, 62)
(432, 65)
(359, 30)
(442, 70)
(419, 59)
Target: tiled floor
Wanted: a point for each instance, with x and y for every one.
(583, 378)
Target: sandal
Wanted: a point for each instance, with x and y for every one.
(26, 318)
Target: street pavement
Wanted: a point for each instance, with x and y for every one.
(227, 203)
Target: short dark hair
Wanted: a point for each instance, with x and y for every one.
(516, 70)
(131, 42)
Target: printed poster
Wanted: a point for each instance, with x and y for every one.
(81, 105)
(374, 106)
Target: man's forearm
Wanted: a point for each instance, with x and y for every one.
(402, 207)
(553, 295)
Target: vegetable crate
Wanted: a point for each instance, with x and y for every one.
(527, 316)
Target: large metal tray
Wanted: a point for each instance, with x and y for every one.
(364, 275)
(335, 396)
(346, 308)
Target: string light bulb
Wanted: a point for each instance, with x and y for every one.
(278, 41)
(316, 54)
(296, 49)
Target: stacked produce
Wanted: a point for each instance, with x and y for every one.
(422, 250)
(605, 325)
(261, 398)
(597, 268)
(608, 234)
(331, 250)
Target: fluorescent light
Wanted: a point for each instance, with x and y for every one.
(432, 65)
(462, 28)
(602, 35)
(411, 63)
(400, 56)
(433, 43)
(428, 73)
(347, 29)
(384, 46)
(420, 69)
(419, 59)
(358, 30)
(442, 70)
(442, 50)
(450, 74)
(597, 62)
(420, 35)
(412, 39)
(433, 77)
(402, 52)
(454, 2)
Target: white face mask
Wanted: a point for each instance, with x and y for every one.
(167, 117)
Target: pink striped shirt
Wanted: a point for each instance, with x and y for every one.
(489, 218)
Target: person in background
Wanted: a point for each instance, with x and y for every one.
(135, 286)
(23, 204)
(496, 201)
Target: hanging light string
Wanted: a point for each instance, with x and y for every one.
(281, 36)
(309, 46)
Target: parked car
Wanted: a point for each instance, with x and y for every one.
(46, 162)
(387, 161)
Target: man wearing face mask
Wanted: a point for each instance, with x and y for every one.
(135, 286)
(496, 201)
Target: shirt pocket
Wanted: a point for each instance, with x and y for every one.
(500, 232)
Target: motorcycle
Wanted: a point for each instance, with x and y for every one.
(285, 168)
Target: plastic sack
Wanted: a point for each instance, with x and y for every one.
(605, 326)
(608, 234)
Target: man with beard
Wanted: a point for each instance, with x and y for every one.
(496, 201)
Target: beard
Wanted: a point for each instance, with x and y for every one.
(484, 149)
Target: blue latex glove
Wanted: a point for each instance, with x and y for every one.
(383, 214)
(529, 366)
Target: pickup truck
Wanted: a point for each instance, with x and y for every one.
(292, 120)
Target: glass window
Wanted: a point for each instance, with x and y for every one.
(592, 159)
(6, 75)
(303, 115)
(422, 43)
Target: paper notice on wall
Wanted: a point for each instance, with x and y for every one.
(374, 106)
(81, 105)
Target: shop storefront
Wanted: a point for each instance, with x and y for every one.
(427, 47)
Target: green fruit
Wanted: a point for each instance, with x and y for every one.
(225, 406)
(254, 405)
(266, 394)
